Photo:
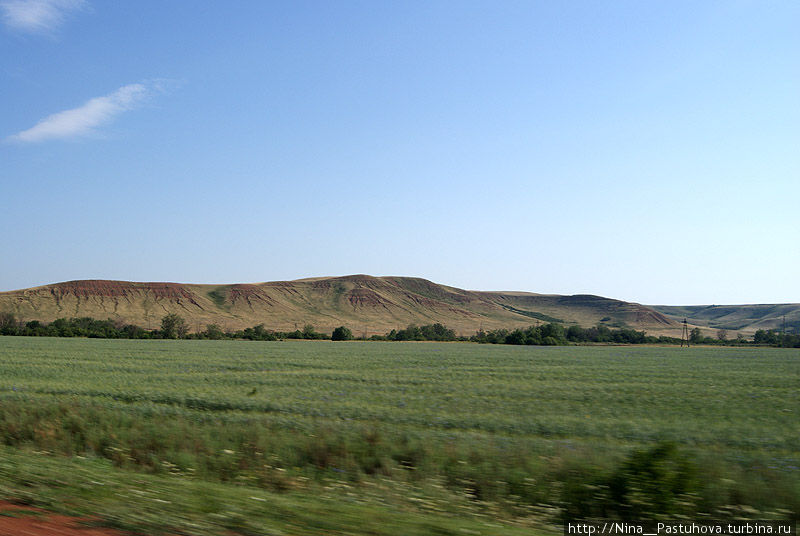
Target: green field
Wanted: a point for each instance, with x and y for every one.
(307, 437)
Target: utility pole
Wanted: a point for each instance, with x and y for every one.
(783, 337)
(685, 334)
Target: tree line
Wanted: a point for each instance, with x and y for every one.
(553, 334)
(773, 337)
(770, 337)
(174, 326)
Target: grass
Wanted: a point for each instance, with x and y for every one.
(218, 297)
(449, 436)
(169, 504)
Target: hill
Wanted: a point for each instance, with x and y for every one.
(364, 303)
(745, 319)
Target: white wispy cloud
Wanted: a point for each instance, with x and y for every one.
(85, 119)
(37, 15)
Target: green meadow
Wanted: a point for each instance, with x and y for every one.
(305, 437)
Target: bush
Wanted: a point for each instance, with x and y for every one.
(430, 332)
(8, 324)
(341, 334)
(213, 331)
(173, 327)
(652, 482)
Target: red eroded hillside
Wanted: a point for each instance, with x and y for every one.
(374, 304)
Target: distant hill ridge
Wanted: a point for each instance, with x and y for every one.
(362, 302)
(737, 318)
(374, 305)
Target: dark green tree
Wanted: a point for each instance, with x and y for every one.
(213, 331)
(556, 331)
(696, 336)
(766, 337)
(576, 334)
(173, 327)
(341, 334)
(516, 337)
(8, 324)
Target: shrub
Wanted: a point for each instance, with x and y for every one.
(173, 326)
(341, 334)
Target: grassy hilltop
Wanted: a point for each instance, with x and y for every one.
(364, 303)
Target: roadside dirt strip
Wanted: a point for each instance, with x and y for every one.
(19, 520)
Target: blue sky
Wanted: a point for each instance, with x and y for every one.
(639, 150)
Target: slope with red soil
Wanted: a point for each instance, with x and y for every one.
(373, 304)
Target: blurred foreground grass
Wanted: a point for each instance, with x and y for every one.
(153, 504)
